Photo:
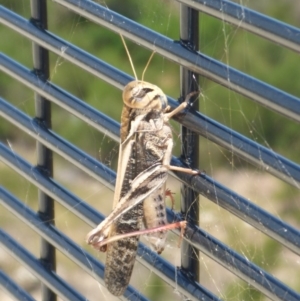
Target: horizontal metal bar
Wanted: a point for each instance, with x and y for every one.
(269, 28)
(237, 264)
(12, 289)
(62, 242)
(78, 207)
(246, 148)
(266, 159)
(223, 74)
(245, 269)
(84, 211)
(204, 185)
(60, 97)
(52, 280)
(68, 51)
(167, 271)
(34, 128)
(248, 86)
(242, 208)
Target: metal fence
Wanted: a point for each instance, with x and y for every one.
(185, 279)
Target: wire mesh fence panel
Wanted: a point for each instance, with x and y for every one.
(63, 69)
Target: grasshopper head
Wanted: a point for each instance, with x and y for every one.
(143, 95)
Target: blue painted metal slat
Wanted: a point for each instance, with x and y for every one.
(12, 289)
(243, 17)
(59, 286)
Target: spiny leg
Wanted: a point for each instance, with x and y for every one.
(181, 107)
(169, 193)
(181, 225)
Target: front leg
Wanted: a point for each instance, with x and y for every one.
(182, 106)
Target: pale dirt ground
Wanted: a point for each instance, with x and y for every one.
(262, 189)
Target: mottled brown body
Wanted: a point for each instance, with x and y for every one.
(144, 160)
(149, 142)
(146, 140)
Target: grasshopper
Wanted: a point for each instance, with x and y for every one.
(144, 161)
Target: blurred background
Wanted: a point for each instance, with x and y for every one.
(242, 50)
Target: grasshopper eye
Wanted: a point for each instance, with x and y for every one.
(147, 90)
(140, 92)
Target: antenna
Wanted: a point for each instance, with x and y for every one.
(150, 58)
(128, 54)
